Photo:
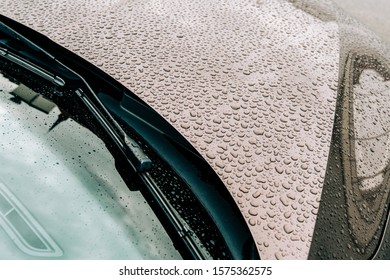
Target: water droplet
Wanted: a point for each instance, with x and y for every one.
(288, 228)
(235, 106)
(279, 169)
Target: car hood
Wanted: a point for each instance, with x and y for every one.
(252, 85)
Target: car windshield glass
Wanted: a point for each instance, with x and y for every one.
(60, 194)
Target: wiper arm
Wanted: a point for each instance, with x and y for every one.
(47, 66)
(138, 159)
(12, 55)
(143, 164)
(31, 67)
(9, 50)
(140, 162)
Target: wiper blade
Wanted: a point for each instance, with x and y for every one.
(143, 164)
(10, 53)
(139, 160)
(9, 48)
(31, 67)
(48, 67)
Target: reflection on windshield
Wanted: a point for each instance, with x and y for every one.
(23, 93)
(71, 199)
(24, 230)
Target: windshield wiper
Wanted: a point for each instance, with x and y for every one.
(31, 67)
(31, 59)
(138, 159)
(20, 50)
(143, 165)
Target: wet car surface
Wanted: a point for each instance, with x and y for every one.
(269, 93)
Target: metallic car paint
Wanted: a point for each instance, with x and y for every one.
(251, 84)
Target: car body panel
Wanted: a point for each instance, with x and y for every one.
(252, 85)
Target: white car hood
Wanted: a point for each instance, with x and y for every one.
(251, 84)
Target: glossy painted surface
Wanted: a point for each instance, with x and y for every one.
(253, 85)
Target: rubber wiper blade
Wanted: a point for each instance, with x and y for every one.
(31, 67)
(44, 64)
(138, 159)
(14, 44)
(20, 50)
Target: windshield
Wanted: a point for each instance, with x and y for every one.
(60, 194)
